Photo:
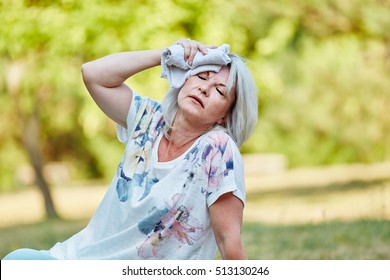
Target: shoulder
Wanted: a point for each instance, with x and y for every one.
(148, 113)
(219, 142)
(220, 139)
(217, 136)
(142, 102)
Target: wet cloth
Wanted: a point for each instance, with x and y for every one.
(176, 70)
(159, 210)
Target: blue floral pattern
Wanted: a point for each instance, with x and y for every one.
(174, 224)
(204, 167)
(134, 168)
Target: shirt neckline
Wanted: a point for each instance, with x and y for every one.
(173, 161)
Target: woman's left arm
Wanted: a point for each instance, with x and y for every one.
(226, 219)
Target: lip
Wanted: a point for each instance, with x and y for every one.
(197, 100)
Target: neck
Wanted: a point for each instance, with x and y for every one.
(181, 137)
(185, 129)
(170, 149)
(180, 142)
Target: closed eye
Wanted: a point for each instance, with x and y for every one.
(220, 92)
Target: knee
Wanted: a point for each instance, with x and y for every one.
(28, 254)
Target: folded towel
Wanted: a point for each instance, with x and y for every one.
(176, 70)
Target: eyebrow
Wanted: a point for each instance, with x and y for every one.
(220, 84)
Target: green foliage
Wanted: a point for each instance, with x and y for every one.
(321, 66)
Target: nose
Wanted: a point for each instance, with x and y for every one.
(204, 89)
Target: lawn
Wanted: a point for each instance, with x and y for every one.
(354, 240)
(357, 240)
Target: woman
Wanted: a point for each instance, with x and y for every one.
(179, 189)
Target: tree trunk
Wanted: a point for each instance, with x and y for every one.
(31, 141)
(30, 129)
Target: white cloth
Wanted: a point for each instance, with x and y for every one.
(176, 70)
(159, 210)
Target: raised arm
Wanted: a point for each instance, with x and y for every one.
(105, 77)
(226, 219)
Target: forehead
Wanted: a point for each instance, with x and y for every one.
(223, 74)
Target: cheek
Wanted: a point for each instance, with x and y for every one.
(181, 94)
(222, 108)
(186, 88)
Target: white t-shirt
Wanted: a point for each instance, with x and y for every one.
(159, 210)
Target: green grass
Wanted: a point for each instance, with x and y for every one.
(355, 240)
(41, 235)
(366, 239)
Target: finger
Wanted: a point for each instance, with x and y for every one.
(190, 49)
(194, 48)
(203, 48)
(182, 41)
(185, 43)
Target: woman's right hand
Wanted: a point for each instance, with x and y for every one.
(191, 48)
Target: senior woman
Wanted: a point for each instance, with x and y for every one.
(179, 189)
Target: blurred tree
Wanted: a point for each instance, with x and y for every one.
(322, 68)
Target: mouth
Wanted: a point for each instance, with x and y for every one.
(197, 100)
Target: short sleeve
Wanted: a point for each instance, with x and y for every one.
(223, 164)
(121, 132)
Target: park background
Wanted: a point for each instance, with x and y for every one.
(317, 167)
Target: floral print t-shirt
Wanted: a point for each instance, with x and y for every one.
(159, 210)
